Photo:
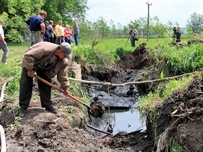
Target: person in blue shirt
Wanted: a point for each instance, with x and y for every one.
(37, 27)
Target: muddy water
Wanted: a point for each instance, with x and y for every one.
(122, 121)
(122, 97)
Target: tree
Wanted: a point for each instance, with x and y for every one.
(195, 23)
(101, 27)
(158, 27)
(15, 12)
(65, 10)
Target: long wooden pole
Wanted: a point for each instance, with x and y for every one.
(105, 132)
(60, 90)
(130, 83)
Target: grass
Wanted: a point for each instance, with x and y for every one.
(148, 103)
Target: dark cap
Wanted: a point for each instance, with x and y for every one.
(66, 48)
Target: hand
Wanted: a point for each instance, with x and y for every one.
(66, 92)
(31, 73)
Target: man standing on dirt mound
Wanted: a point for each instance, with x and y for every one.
(47, 60)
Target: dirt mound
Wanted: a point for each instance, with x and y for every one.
(42, 131)
(135, 60)
(180, 118)
(134, 141)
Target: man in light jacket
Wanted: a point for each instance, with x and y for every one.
(47, 60)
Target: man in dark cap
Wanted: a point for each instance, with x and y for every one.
(3, 44)
(47, 60)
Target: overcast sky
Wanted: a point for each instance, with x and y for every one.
(122, 11)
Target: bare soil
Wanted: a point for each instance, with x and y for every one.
(42, 131)
(179, 118)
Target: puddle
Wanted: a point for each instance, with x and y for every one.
(122, 121)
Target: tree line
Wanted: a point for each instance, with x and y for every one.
(15, 12)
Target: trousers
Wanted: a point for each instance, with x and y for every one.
(5, 49)
(26, 86)
(35, 37)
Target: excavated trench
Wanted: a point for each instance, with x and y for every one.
(178, 120)
(119, 96)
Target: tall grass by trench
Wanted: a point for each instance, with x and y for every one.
(173, 60)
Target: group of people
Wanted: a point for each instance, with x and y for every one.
(48, 56)
(50, 32)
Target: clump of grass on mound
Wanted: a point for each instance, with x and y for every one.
(149, 103)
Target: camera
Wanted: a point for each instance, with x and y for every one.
(174, 29)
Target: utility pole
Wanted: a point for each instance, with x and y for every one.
(148, 20)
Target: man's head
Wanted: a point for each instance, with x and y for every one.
(43, 14)
(75, 22)
(46, 23)
(51, 22)
(66, 48)
(60, 22)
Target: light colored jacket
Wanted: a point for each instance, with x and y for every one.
(59, 30)
(41, 52)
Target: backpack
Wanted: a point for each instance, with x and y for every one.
(136, 37)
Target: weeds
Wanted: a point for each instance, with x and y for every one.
(174, 147)
(186, 59)
(17, 125)
(71, 109)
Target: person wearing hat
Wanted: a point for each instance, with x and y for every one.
(3, 44)
(47, 60)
